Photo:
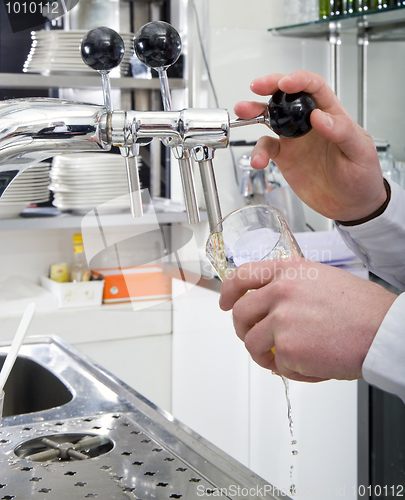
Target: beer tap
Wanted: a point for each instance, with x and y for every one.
(158, 45)
(102, 49)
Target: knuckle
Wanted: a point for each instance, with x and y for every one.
(238, 313)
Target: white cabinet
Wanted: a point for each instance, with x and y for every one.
(210, 372)
(325, 428)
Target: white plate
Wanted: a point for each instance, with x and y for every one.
(75, 173)
(101, 189)
(28, 188)
(24, 193)
(88, 200)
(86, 157)
(88, 180)
(67, 34)
(28, 200)
(34, 184)
(121, 200)
(90, 164)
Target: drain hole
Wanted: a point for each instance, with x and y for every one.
(116, 416)
(58, 447)
(146, 440)
(8, 497)
(2, 486)
(91, 495)
(163, 485)
(36, 479)
(175, 495)
(125, 424)
(59, 423)
(137, 463)
(27, 429)
(79, 483)
(195, 480)
(181, 469)
(157, 449)
(44, 490)
(135, 432)
(97, 427)
(70, 473)
(168, 459)
(126, 453)
(4, 441)
(149, 473)
(127, 489)
(26, 469)
(105, 467)
(87, 419)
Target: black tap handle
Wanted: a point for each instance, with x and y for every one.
(157, 45)
(102, 49)
(289, 113)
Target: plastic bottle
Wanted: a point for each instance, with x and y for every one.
(79, 270)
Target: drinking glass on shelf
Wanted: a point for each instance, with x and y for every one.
(250, 234)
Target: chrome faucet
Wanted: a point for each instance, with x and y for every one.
(32, 130)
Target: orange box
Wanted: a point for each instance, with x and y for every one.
(134, 283)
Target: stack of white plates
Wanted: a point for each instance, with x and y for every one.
(31, 186)
(82, 182)
(58, 51)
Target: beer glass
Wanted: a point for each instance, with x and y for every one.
(250, 234)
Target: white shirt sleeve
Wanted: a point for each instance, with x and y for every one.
(384, 365)
(380, 244)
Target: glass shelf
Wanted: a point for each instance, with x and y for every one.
(381, 25)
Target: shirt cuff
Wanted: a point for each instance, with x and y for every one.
(380, 242)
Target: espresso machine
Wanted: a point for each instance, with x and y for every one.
(35, 129)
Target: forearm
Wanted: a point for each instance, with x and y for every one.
(380, 243)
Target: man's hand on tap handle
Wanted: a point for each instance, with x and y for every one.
(334, 168)
(321, 320)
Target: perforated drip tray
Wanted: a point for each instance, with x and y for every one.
(106, 441)
(137, 466)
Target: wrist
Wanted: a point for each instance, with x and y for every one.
(374, 214)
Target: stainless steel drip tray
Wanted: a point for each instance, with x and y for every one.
(109, 442)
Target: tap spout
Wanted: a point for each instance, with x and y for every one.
(32, 130)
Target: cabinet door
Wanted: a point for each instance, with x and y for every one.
(325, 428)
(210, 371)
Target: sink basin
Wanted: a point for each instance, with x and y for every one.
(32, 388)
